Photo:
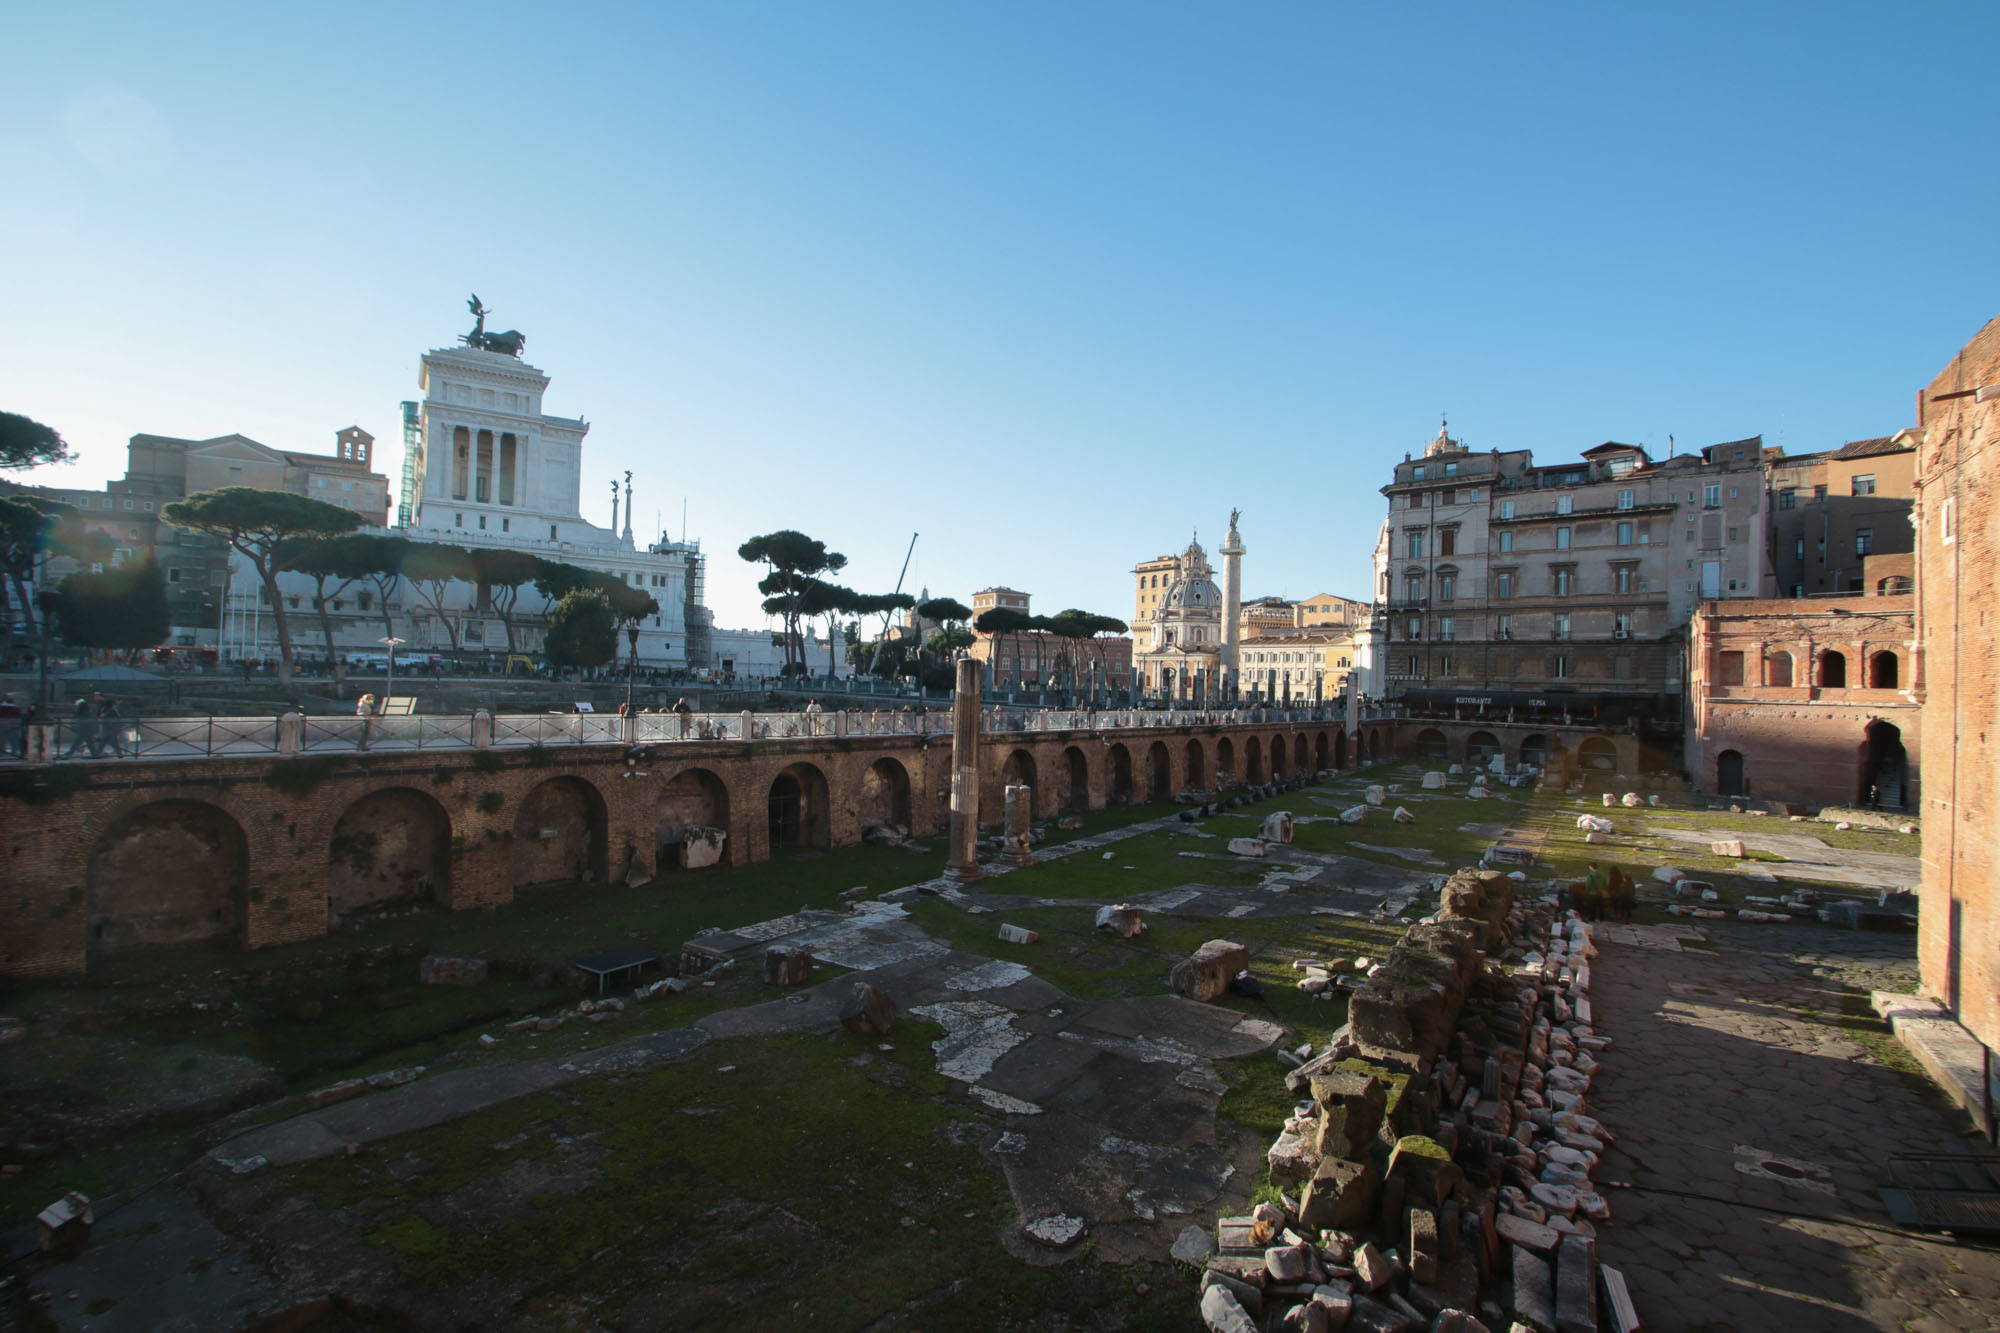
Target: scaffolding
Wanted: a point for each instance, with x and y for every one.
(699, 646)
(413, 466)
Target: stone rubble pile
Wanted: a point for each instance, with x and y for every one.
(1440, 1175)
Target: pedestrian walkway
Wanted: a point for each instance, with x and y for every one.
(1753, 1135)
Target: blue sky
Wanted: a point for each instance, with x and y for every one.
(1052, 284)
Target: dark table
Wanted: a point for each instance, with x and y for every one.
(605, 965)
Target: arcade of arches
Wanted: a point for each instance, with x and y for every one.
(184, 852)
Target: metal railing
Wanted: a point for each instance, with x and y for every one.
(72, 739)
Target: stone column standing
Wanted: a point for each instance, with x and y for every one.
(1232, 608)
(964, 859)
(1020, 811)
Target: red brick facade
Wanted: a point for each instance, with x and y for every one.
(266, 853)
(1812, 700)
(1958, 563)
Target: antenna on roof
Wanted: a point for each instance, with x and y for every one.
(1670, 446)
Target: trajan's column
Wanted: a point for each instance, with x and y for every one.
(1232, 605)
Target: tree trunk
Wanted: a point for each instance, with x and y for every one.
(326, 629)
(269, 575)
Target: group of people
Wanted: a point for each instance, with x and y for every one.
(1605, 893)
(96, 723)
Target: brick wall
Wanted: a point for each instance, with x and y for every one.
(1958, 550)
(264, 853)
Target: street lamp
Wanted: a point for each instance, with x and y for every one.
(631, 668)
(389, 678)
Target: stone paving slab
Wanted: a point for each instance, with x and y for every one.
(1751, 1142)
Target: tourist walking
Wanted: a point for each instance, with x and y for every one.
(111, 729)
(83, 726)
(1596, 887)
(364, 708)
(1623, 889)
(686, 714)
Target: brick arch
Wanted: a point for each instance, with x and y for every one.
(796, 809)
(166, 872)
(388, 847)
(1322, 751)
(1159, 772)
(695, 797)
(1117, 774)
(884, 796)
(1197, 764)
(1253, 761)
(1076, 779)
(1225, 762)
(561, 828)
(1281, 758)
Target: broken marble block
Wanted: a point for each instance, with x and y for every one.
(700, 847)
(1425, 1170)
(1121, 919)
(1375, 795)
(1354, 814)
(1222, 1312)
(1278, 827)
(1249, 847)
(1018, 935)
(1403, 815)
(1206, 973)
(1727, 847)
(1340, 1196)
(1433, 780)
(1059, 1232)
(439, 970)
(1352, 1104)
(787, 967)
(1594, 824)
(868, 1011)
(1630, 800)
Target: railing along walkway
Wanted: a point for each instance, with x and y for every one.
(71, 739)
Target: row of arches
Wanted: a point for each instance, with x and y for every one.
(178, 871)
(1594, 754)
(1882, 670)
(1882, 776)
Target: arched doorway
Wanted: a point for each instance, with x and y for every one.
(1159, 772)
(389, 847)
(1340, 749)
(1885, 767)
(1253, 761)
(1480, 747)
(885, 796)
(1832, 670)
(1120, 760)
(1882, 671)
(1729, 775)
(1431, 745)
(1278, 756)
(1197, 769)
(172, 872)
(1076, 798)
(694, 799)
(795, 811)
(1535, 750)
(1322, 751)
(559, 834)
(1225, 762)
(1019, 771)
(1597, 755)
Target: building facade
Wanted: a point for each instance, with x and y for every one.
(1832, 511)
(1958, 560)
(1310, 665)
(1503, 582)
(1813, 700)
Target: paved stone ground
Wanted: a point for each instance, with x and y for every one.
(1715, 1075)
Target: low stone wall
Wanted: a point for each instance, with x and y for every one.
(1443, 1164)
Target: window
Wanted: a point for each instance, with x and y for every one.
(1451, 469)
(506, 525)
(1563, 538)
(1506, 509)
(1505, 542)
(1788, 498)
(1625, 499)
(1729, 669)
(1416, 545)
(1445, 628)
(1417, 472)
(1416, 502)
(1624, 578)
(1732, 535)
(1503, 584)
(1413, 628)
(1447, 666)
(1562, 627)
(1559, 666)
(147, 506)
(1448, 541)
(1565, 504)
(482, 522)
(1948, 520)
(1798, 548)
(1863, 484)
(1447, 587)
(1625, 534)
(1896, 585)
(1864, 540)
(1447, 497)
(173, 576)
(1413, 588)
(458, 520)
(1503, 627)
(1819, 495)
(1562, 581)
(1711, 495)
(1778, 669)
(552, 532)
(1621, 625)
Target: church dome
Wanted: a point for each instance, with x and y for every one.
(1194, 595)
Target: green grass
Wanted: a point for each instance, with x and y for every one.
(849, 1142)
